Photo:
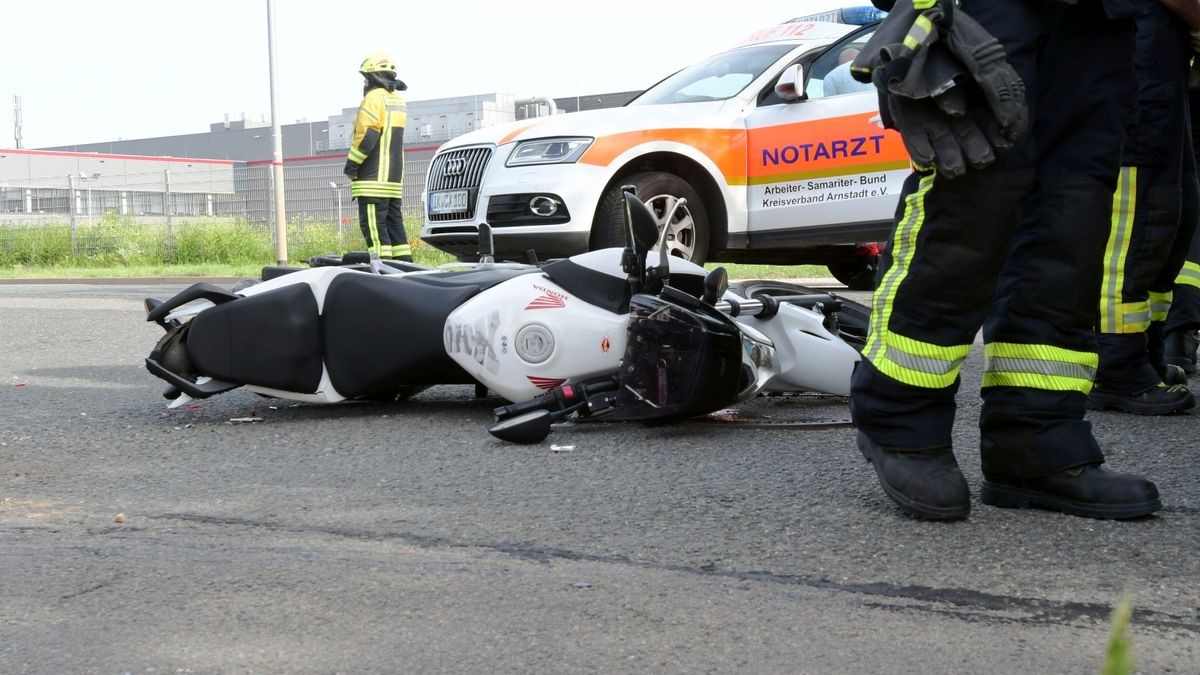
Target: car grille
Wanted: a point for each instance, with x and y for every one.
(469, 165)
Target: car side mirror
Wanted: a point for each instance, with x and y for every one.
(790, 86)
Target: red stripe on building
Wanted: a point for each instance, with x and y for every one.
(100, 155)
(332, 155)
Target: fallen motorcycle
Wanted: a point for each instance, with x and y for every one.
(358, 328)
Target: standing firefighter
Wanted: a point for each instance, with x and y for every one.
(375, 163)
(1013, 113)
(1150, 234)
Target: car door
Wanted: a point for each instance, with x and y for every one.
(823, 163)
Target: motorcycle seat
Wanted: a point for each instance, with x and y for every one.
(381, 332)
(269, 340)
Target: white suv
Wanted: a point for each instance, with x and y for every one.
(778, 153)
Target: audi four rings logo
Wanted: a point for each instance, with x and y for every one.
(456, 166)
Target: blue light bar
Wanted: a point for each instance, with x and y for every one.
(856, 16)
(861, 16)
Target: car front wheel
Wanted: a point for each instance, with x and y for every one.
(687, 232)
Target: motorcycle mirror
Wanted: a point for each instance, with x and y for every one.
(531, 427)
(487, 247)
(627, 191)
(716, 283)
(642, 227)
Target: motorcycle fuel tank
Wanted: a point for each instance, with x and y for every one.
(528, 335)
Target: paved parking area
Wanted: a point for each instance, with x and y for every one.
(403, 538)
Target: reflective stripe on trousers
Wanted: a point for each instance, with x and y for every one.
(1117, 316)
(1190, 274)
(1045, 367)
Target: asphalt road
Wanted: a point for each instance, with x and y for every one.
(403, 538)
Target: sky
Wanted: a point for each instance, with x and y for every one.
(90, 71)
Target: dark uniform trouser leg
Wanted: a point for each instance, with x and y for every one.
(372, 214)
(1141, 262)
(1147, 244)
(1185, 300)
(395, 230)
(953, 238)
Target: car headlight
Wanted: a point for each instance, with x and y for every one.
(548, 151)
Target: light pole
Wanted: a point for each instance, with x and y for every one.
(281, 256)
(94, 176)
(338, 194)
(72, 210)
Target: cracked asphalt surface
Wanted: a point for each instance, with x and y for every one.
(403, 538)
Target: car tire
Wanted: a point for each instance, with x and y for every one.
(857, 274)
(854, 319)
(660, 190)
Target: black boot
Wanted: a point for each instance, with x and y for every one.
(1173, 374)
(1160, 399)
(927, 483)
(1137, 389)
(1168, 372)
(1180, 348)
(1087, 491)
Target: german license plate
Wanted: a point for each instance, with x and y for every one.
(448, 201)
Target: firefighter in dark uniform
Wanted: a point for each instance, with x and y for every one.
(375, 164)
(1016, 248)
(1149, 239)
(1183, 320)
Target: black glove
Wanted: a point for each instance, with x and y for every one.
(935, 139)
(983, 57)
(931, 72)
(902, 37)
(351, 170)
(953, 111)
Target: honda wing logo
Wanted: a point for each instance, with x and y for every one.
(547, 300)
(456, 166)
(545, 383)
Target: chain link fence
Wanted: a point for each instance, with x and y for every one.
(222, 214)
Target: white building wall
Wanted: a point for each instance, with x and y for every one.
(435, 121)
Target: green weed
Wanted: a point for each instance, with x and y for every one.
(1119, 655)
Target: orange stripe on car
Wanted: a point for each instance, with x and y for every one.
(812, 149)
(517, 132)
(826, 147)
(725, 147)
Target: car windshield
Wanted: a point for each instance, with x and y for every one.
(716, 78)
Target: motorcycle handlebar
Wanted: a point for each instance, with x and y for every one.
(560, 398)
(547, 401)
(766, 306)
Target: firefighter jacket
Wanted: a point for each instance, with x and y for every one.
(375, 163)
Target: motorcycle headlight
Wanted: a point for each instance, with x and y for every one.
(548, 151)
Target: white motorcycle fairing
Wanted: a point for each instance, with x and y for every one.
(809, 356)
(529, 335)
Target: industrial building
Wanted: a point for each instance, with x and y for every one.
(225, 172)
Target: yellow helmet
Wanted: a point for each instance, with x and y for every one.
(378, 62)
